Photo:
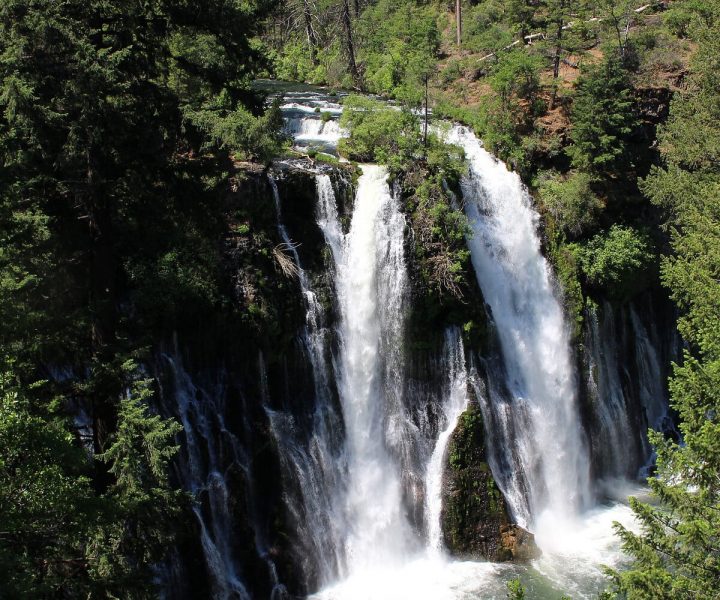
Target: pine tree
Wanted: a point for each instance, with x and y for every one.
(602, 118)
(677, 552)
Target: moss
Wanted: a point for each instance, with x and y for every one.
(473, 506)
(445, 289)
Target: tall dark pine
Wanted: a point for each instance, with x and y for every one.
(349, 45)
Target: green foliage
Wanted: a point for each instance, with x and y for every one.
(241, 133)
(571, 201)
(675, 554)
(395, 41)
(602, 118)
(617, 260)
(138, 458)
(294, 63)
(46, 502)
(509, 114)
(379, 133)
(484, 27)
(567, 272)
(401, 41)
(516, 590)
(58, 535)
(118, 125)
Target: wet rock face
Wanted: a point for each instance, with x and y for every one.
(517, 544)
(473, 508)
(474, 516)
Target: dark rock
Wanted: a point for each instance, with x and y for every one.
(474, 516)
(518, 544)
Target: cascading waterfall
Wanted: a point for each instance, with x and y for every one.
(204, 470)
(540, 423)
(604, 382)
(653, 395)
(371, 278)
(313, 460)
(362, 460)
(388, 557)
(625, 381)
(311, 121)
(455, 404)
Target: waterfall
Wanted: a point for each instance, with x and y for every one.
(539, 422)
(371, 285)
(308, 126)
(388, 433)
(612, 449)
(204, 466)
(311, 456)
(625, 376)
(456, 401)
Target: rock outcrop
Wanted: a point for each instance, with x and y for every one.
(474, 516)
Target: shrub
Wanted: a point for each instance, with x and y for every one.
(379, 133)
(571, 202)
(619, 261)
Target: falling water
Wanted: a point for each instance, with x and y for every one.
(312, 457)
(388, 558)
(455, 404)
(204, 469)
(626, 386)
(540, 421)
(614, 450)
(371, 282)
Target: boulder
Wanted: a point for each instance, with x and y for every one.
(474, 516)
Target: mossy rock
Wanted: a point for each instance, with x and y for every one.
(474, 516)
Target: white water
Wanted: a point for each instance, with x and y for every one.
(305, 123)
(312, 461)
(454, 406)
(370, 288)
(548, 484)
(203, 471)
(356, 481)
(540, 424)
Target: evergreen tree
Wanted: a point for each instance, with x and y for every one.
(677, 553)
(602, 118)
(119, 122)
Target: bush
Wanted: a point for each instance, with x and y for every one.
(379, 133)
(620, 261)
(571, 202)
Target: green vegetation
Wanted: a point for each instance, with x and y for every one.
(617, 260)
(473, 509)
(378, 133)
(119, 124)
(602, 118)
(571, 201)
(59, 535)
(122, 125)
(676, 553)
(396, 44)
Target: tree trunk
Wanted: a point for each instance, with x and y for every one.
(349, 46)
(426, 113)
(312, 39)
(458, 22)
(102, 290)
